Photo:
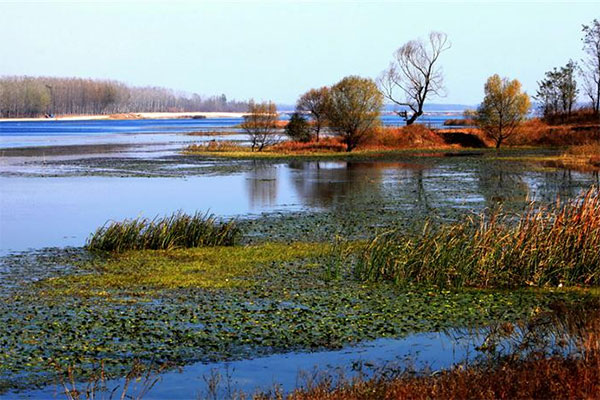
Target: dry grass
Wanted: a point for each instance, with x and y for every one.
(324, 145)
(459, 122)
(543, 378)
(582, 116)
(556, 245)
(408, 137)
(536, 132)
(216, 146)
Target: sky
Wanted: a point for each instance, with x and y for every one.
(276, 50)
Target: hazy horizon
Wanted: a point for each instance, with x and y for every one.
(276, 51)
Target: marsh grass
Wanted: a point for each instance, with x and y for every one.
(546, 246)
(175, 231)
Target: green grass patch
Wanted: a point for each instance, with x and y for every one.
(150, 270)
(271, 155)
(177, 230)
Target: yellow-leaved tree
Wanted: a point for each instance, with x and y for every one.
(503, 109)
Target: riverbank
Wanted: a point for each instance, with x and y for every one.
(127, 116)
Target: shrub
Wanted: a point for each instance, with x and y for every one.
(177, 230)
(326, 144)
(298, 128)
(412, 136)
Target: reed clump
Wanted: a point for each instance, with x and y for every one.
(178, 230)
(215, 146)
(545, 246)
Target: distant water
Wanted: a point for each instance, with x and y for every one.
(62, 133)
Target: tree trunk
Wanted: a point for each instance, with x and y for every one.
(413, 117)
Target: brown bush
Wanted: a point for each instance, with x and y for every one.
(325, 144)
(581, 116)
(536, 132)
(412, 136)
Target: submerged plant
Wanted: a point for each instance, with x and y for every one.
(175, 231)
(548, 246)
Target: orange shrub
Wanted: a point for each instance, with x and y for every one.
(413, 136)
(325, 144)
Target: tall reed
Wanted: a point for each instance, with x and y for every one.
(555, 245)
(177, 230)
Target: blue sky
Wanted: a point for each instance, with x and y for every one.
(277, 50)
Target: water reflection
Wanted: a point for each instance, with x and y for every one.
(261, 185)
(327, 184)
(422, 185)
(499, 184)
(356, 193)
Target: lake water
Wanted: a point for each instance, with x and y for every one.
(39, 212)
(433, 350)
(53, 133)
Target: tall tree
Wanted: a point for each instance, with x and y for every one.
(590, 70)
(503, 109)
(260, 124)
(415, 74)
(315, 102)
(355, 105)
(558, 91)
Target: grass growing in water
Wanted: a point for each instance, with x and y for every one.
(177, 230)
(550, 246)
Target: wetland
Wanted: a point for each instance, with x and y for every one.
(285, 294)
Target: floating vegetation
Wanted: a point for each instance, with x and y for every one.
(177, 230)
(547, 246)
(224, 303)
(553, 355)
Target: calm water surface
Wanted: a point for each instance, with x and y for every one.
(40, 212)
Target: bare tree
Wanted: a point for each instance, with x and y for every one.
(415, 74)
(261, 125)
(590, 70)
(315, 102)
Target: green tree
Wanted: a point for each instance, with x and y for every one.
(353, 110)
(260, 124)
(558, 91)
(315, 102)
(298, 128)
(503, 109)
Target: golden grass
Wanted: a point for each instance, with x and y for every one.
(558, 245)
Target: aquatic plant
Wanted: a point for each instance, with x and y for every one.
(177, 230)
(533, 369)
(546, 246)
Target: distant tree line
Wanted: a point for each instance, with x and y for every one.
(22, 96)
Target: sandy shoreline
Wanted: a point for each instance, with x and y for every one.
(144, 115)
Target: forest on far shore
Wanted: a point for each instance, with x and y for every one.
(22, 96)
